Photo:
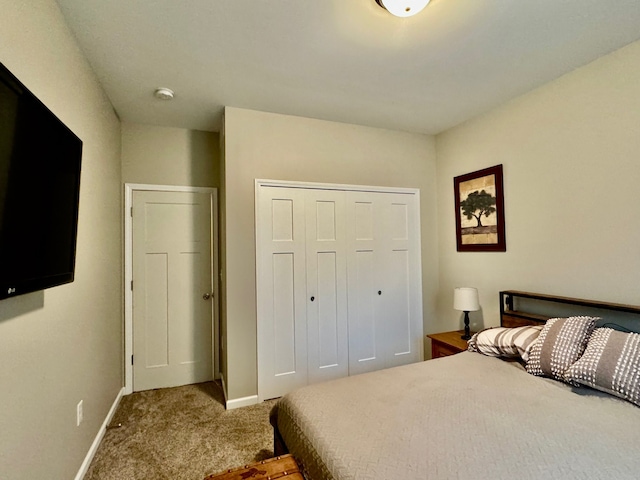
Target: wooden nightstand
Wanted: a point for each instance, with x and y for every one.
(447, 343)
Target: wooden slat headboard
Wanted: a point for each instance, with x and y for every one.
(510, 317)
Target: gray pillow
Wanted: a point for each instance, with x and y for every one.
(610, 363)
(560, 344)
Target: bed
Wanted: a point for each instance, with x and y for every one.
(465, 416)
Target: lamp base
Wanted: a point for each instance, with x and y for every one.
(467, 332)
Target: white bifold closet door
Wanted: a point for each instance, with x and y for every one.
(327, 335)
(302, 292)
(338, 284)
(385, 306)
(281, 292)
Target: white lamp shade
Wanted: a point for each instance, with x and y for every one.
(466, 299)
(404, 8)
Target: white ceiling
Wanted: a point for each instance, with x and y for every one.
(342, 60)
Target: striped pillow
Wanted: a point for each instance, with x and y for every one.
(610, 363)
(560, 344)
(505, 342)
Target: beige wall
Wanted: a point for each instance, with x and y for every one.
(570, 152)
(270, 146)
(169, 156)
(63, 345)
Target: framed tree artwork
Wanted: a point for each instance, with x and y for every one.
(479, 203)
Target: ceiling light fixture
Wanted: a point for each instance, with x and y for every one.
(163, 93)
(403, 8)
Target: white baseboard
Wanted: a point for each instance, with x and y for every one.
(242, 402)
(237, 402)
(96, 442)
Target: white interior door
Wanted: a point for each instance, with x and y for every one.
(327, 334)
(281, 294)
(172, 289)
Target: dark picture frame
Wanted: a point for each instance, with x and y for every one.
(479, 205)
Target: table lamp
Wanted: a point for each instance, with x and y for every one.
(466, 299)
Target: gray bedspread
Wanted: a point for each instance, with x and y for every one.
(461, 417)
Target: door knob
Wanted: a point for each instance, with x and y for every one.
(207, 296)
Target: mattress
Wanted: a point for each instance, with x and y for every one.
(459, 417)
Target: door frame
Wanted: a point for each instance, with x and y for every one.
(263, 182)
(129, 189)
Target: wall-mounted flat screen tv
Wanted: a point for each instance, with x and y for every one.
(39, 192)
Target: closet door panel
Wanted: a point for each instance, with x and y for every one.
(364, 307)
(281, 295)
(326, 285)
(326, 336)
(284, 314)
(399, 220)
(398, 305)
(364, 285)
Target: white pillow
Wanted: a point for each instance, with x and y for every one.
(505, 342)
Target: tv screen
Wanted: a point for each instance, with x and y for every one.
(39, 192)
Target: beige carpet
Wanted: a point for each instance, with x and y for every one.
(181, 433)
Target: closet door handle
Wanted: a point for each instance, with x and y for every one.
(379, 292)
(313, 298)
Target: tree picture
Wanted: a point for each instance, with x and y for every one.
(480, 211)
(478, 204)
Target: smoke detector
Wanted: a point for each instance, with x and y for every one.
(163, 93)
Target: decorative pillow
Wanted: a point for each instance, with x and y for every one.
(560, 344)
(505, 342)
(610, 363)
